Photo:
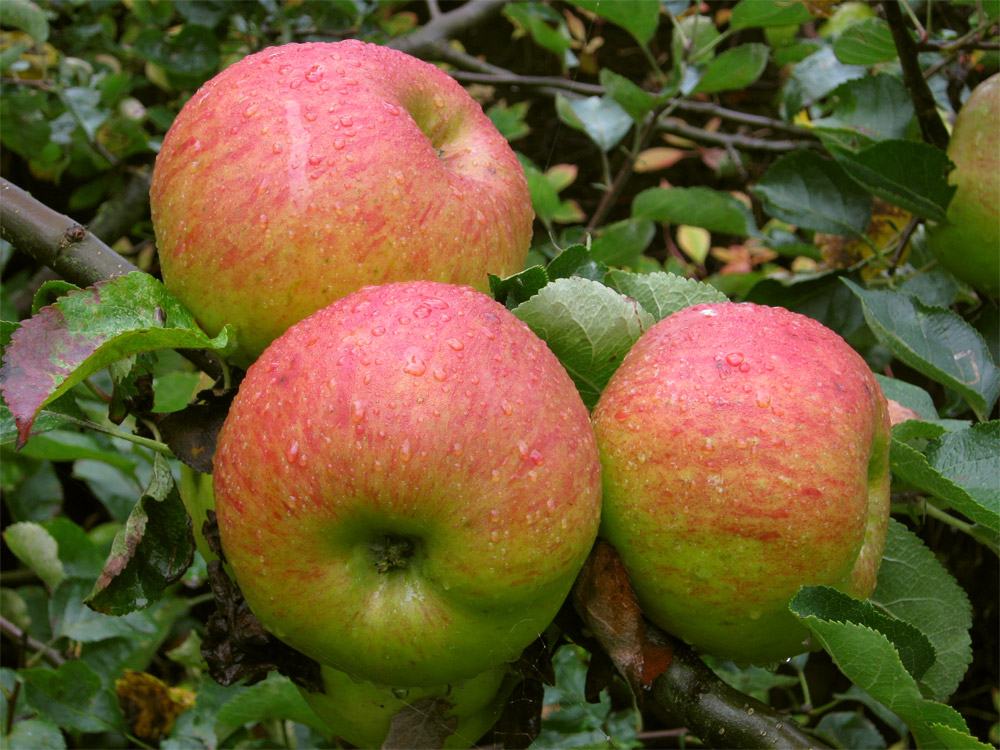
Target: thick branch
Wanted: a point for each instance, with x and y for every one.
(69, 249)
(931, 127)
(56, 240)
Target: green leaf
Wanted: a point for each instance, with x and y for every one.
(704, 207)
(849, 729)
(588, 326)
(915, 587)
(638, 19)
(957, 467)
(86, 331)
(74, 620)
(513, 290)
(600, 117)
(909, 174)
(873, 108)
(735, 68)
(73, 697)
(189, 57)
(866, 43)
(576, 260)
(79, 555)
(26, 16)
(911, 396)
(914, 648)
(37, 549)
(810, 191)
(621, 243)
(535, 19)
(634, 100)
(764, 13)
(814, 78)
(869, 660)
(662, 293)
(141, 565)
(35, 733)
(934, 341)
(274, 698)
(509, 120)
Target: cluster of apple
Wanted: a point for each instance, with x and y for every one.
(408, 483)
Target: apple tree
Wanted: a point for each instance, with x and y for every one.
(837, 159)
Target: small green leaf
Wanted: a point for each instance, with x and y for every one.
(914, 648)
(35, 733)
(37, 549)
(638, 19)
(536, 18)
(600, 117)
(915, 587)
(735, 68)
(935, 341)
(808, 190)
(866, 43)
(704, 207)
(662, 293)
(189, 57)
(74, 620)
(634, 100)
(509, 120)
(908, 174)
(73, 697)
(513, 290)
(588, 326)
(576, 260)
(85, 331)
(274, 698)
(141, 565)
(764, 13)
(911, 396)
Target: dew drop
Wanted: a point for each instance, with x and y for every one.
(358, 411)
(414, 365)
(536, 458)
(507, 408)
(315, 73)
(455, 344)
(338, 143)
(439, 374)
(404, 452)
(292, 453)
(438, 101)
(522, 448)
(734, 359)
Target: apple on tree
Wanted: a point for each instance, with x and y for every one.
(968, 244)
(745, 453)
(407, 484)
(306, 171)
(362, 712)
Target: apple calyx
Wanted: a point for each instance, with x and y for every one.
(392, 552)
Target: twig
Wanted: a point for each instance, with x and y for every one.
(429, 39)
(931, 126)
(69, 249)
(614, 190)
(15, 633)
(734, 140)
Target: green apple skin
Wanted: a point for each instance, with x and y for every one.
(407, 485)
(968, 245)
(361, 712)
(745, 454)
(306, 171)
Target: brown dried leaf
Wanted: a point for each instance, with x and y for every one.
(423, 723)
(149, 706)
(191, 432)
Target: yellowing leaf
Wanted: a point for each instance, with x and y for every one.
(654, 159)
(150, 707)
(695, 242)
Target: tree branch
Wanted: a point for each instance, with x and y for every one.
(17, 635)
(733, 140)
(931, 127)
(429, 39)
(66, 247)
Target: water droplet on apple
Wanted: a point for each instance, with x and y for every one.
(439, 374)
(405, 453)
(734, 359)
(400, 693)
(438, 101)
(292, 453)
(456, 345)
(284, 70)
(338, 143)
(506, 407)
(536, 458)
(415, 365)
(495, 475)
(763, 399)
(315, 73)
(522, 449)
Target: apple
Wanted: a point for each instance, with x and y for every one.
(306, 171)
(968, 244)
(745, 453)
(362, 712)
(407, 484)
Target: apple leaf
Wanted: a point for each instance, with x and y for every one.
(735, 68)
(141, 565)
(588, 326)
(273, 698)
(36, 733)
(73, 697)
(866, 43)
(869, 109)
(621, 243)
(27, 16)
(911, 396)
(88, 329)
(934, 341)
(636, 101)
(703, 207)
(576, 260)
(810, 191)
(814, 78)
(870, 661)
(849, 729)
(763, 13)
(932, 601)
(34, 546)
(913, 647)
(957, 467)
(638, 19)
(662, 293)
(600, 117)
(908, 174)
(513, 290)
